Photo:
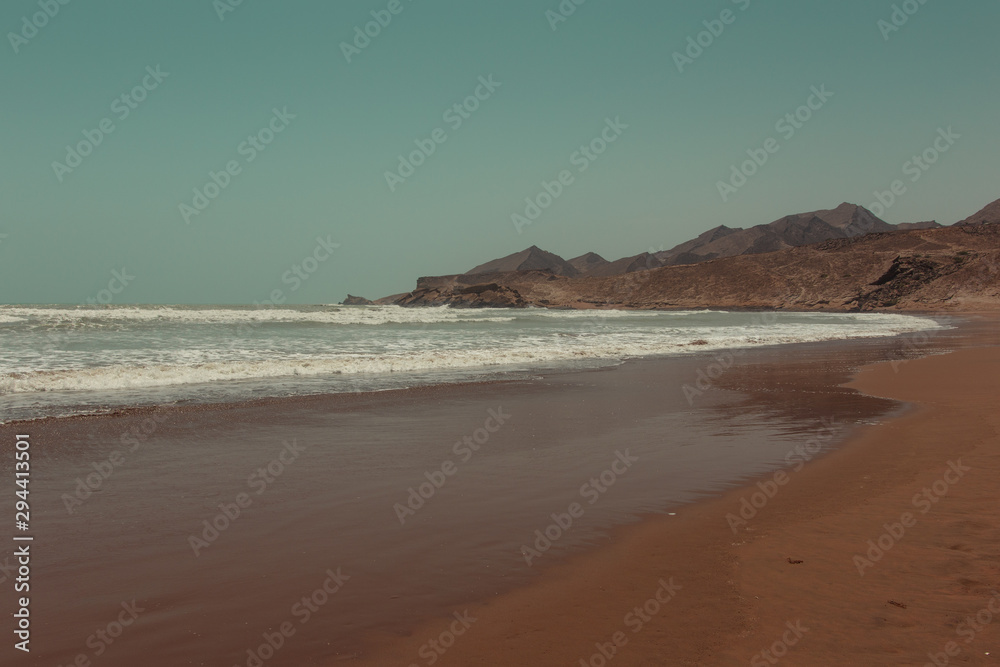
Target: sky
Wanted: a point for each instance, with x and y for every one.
(212, 152)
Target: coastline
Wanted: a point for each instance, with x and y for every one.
(789, 572)
(483, 348)
(561, 334)
(567, 426)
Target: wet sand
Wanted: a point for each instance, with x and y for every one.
(320, 549)
(786, 578)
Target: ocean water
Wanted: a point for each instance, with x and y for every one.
(66, 360)
(116, 504)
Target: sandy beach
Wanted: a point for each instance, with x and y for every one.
(824, 572)
(560, 334)
(713, 521)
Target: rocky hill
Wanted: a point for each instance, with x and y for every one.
(954, 267)
(989, 214)
(845, 221)
(589, 264)
(532, 259)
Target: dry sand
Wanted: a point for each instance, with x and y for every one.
(796, 561)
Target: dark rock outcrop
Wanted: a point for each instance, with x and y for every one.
(905, 276)
(486, 295)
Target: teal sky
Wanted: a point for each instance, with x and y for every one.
(324, 174)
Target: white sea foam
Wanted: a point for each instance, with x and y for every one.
(63, 360)
(346, 315)
(483, 348)
(367, 315)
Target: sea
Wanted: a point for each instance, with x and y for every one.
(212, 465)
(58, 361)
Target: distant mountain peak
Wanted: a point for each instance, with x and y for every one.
(854, 220)
(589, 262)
(847, 220)
(529, 259)
(826, 230)
(717, 233)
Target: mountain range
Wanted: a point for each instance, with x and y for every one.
(844, 258)
(845, 221)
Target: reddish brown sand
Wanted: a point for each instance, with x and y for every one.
(795, 561)
(132, 538)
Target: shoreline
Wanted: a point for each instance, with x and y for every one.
(746, 587)
(363, 450)
(483, 376)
